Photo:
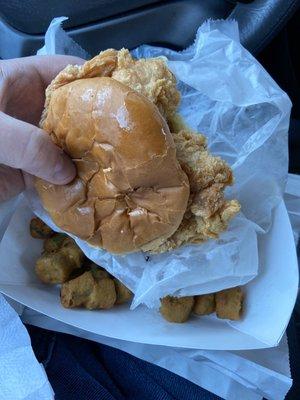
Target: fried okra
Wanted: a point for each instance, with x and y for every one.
(67, 246)
(98, 272)
(123, 293)
(55, 242)
(72, 252)
(39, 230)
(229, 303)
(60, 259)
(88, 291)
(204, 304)
(176, 309)
(54, 268)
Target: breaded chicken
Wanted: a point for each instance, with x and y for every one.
(150, 77)
(208, 212)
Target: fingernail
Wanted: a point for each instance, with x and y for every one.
(64, 170)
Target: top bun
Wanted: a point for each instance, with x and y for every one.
(130, 192)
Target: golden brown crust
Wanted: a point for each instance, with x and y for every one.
(176, 309)
(229, 303)
(60, 259)
(208, 212)
(205, 304)
(53, 268)
(89, 292)
(151, 77)
(203, 168)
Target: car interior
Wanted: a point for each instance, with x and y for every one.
(269, 29)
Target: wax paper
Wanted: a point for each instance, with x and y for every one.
(228, 96)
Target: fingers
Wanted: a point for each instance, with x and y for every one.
(49, 66)
(26, 147)
(11, 182)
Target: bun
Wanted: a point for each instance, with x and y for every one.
(130, 193)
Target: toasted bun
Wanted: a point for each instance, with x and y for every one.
(130, 192)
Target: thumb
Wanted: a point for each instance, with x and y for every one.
(29, 148)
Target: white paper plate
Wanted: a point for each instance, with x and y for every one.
(270, 297)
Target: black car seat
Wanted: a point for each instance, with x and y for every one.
(99, 24)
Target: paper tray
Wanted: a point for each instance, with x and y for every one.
(270, 297)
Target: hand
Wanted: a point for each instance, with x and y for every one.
(24, 148)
